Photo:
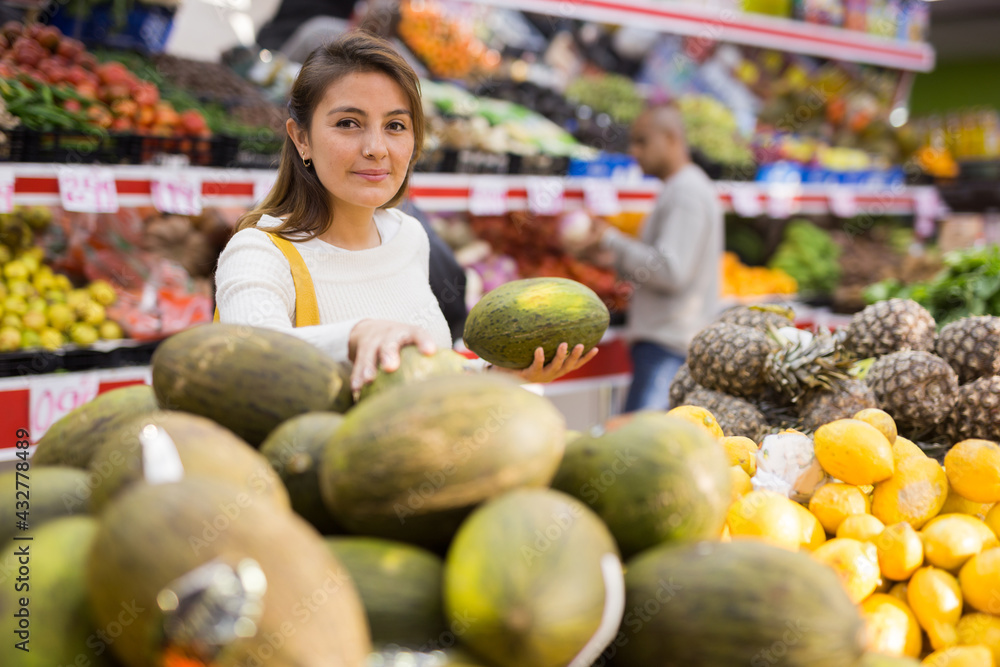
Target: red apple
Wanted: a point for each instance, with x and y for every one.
(86, 60)
(12, 30)
(73, 106)
(49, 37)
(70, 48)
(192, 122)
(4, 42)
(146, 94)
(76, 75)
(121, 124)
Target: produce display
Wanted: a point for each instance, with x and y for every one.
(42, 308)
(741, 280)
(810, 256)
(448, 497)
(969, 285)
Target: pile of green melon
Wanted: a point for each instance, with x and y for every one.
(244, 510)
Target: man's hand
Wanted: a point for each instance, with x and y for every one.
(590, 248)
(375, 344)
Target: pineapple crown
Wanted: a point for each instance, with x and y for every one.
(805, 361)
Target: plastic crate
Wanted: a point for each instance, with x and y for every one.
(66, 147)
(246, 153)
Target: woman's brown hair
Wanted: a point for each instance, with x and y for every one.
(298, 196)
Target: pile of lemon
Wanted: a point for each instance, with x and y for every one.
(916, 545)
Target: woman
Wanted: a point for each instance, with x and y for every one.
(328, 227)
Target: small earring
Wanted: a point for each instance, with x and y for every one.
(306, 161)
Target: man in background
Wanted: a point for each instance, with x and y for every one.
(674, 264)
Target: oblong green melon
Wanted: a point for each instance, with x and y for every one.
(400, 587)
(51, 491)
(247, 379)
(510, 322)
(718, 604)
(524, 577)
(72, 440)
(653, 479)
(410, 463)
(294, 450)
(415, 366)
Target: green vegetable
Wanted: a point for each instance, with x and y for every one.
(968, 285)
(613, 94)
(810, 255)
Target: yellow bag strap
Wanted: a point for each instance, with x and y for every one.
(306, 307)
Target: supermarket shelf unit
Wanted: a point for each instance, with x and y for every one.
(727, 25)
(39, 184)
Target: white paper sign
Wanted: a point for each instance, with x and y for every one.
(174, 192)
(50, 398)
(781, 201)
(601, 197)
(6, 190)
(88, 190)
(262, 186)
(843, 203)
(746, 201)
(161, 464)
(488, 196)
(545, 195)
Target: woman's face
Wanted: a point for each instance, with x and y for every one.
(361, 139)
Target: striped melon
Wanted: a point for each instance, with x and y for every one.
(510, 322)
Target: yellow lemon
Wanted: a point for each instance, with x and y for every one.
(898, 591)
(981, 629)
(890, 626)
(856, 563)
(951, 539)
(903, 448)
(956, 504)
(993, 519)
(726, 536)
(936, 600)
(699, 417)
(768, 516)
(973, 468)
(980, 579)
(742, 452)
(900, 551)
(915, 493)
(741, 482)
(832, 503)
(813, 534)
(881, 420)
(860, 527)
(960, 656)
(853, 451)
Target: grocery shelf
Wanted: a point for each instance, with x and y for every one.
(722, 25)
(39, 184)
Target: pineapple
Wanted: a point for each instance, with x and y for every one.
(890, 326)
(743, 361)
(759, 317)
(972, 346)
(976, 413)
(918, 389)
(681, 385)
(822, 407)
(730, 358)
(735, 415)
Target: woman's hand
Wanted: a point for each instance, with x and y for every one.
(375, 344)
(564, 362)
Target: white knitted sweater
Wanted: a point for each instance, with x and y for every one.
(254, 283)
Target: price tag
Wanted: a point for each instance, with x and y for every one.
(174, 192)
(50, 398)
(6, 190)
(545, 195)
(601, 197)
(926, 208)
(488, 196)
(88, 190)
(746, 201)
(843, 203)
(782, 200)
(262, 186)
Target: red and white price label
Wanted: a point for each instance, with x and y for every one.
(783, 200)
(746, 201)
(545, 195)
(88, 190)
(843, 203)
(50, 398)
(601, 197)
(177, 193)
(6, 190)
(488, 196)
